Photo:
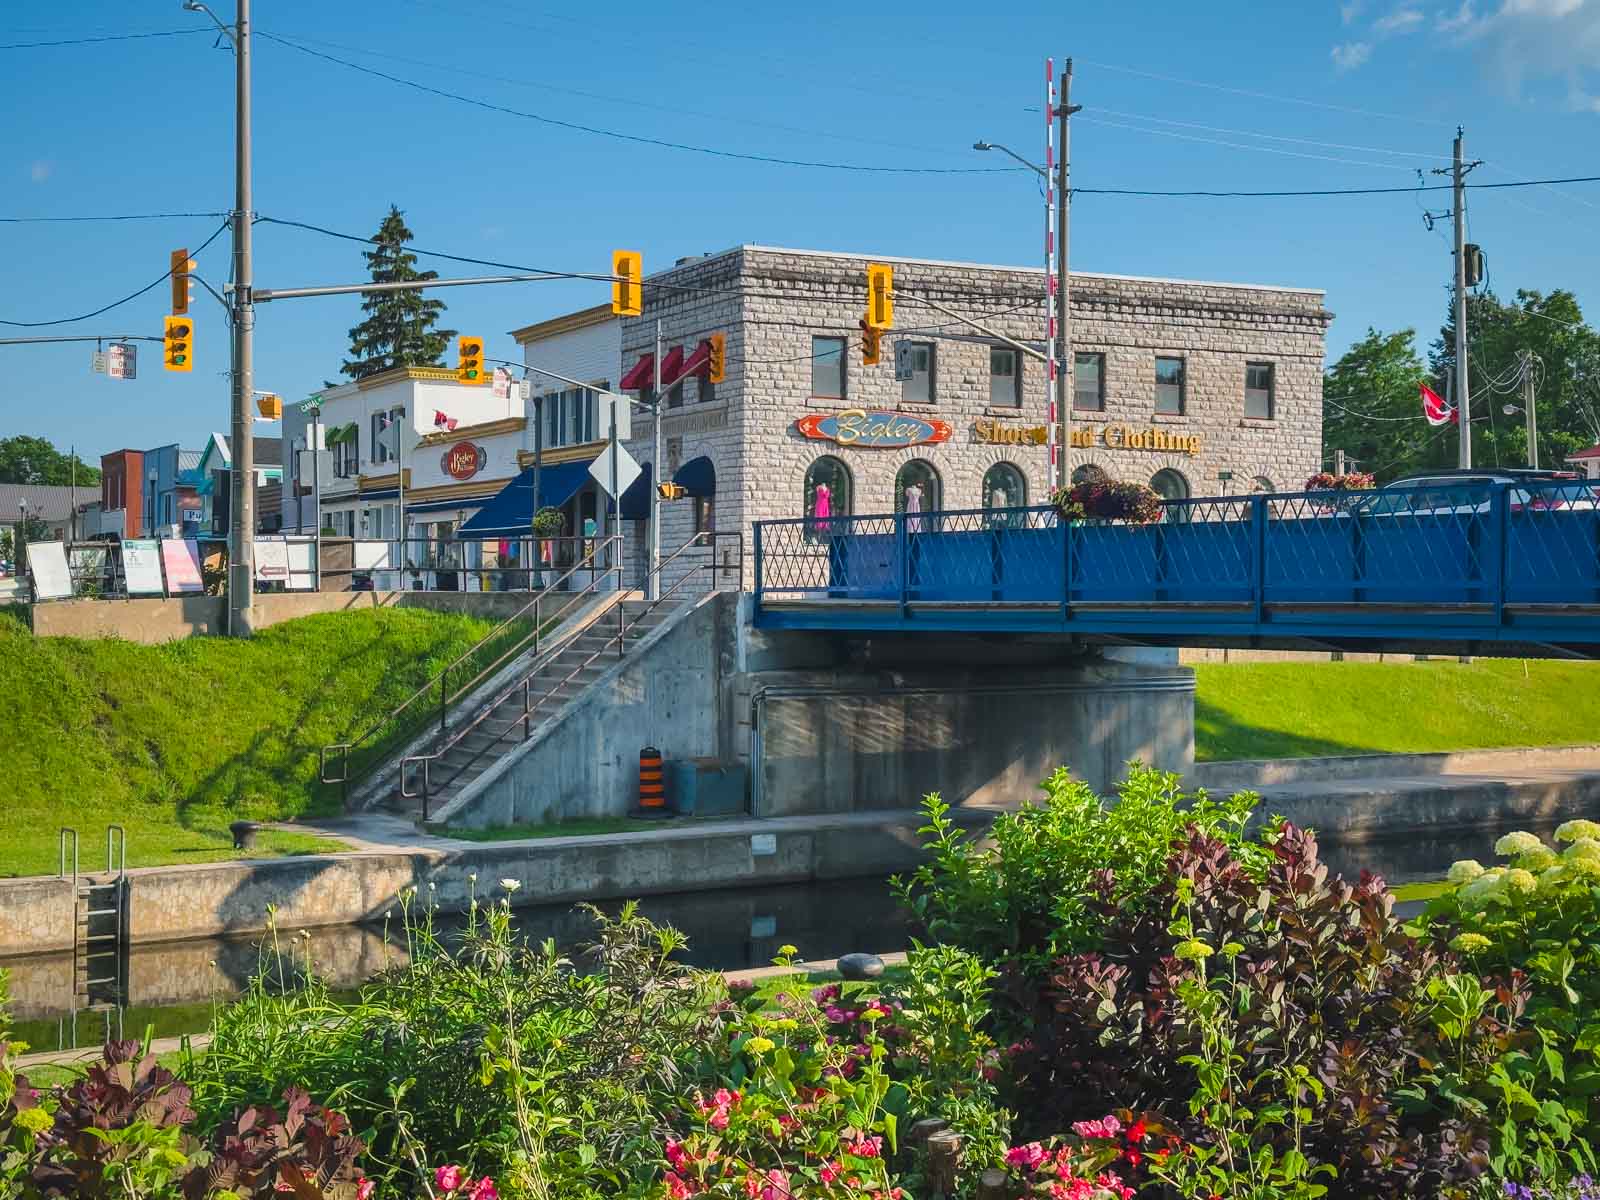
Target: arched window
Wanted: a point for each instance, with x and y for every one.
(828, 490)
(1089, 473)
(1004, 487)
(1262, 484)
(1170, 485)
(917, 474)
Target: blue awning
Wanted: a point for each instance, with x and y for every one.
(636, 497)
(433, 506)
(508, 513)
(697, 477)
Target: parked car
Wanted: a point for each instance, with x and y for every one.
(1466, 490)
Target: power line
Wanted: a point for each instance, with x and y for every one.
(165, 275)
(120, 217)
(1272, 137)
(1192, 137)
(638, 139)
(1365, 191)
(1363, 416)
(110, 37)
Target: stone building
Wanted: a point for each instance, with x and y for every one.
(1200, 389)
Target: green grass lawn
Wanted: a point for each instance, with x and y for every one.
(175, 741)
(1291, 710)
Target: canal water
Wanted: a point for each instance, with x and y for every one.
(170, 988)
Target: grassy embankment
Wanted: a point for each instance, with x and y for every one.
(1291, 710)
(175, 741)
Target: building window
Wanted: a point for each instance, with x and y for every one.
(828, 490)
(1258, 390)
(675, 395)
(1169, 385)
(1262, 484)
(1170, 485)
(1089, 382)
(707, 390)
(1005, 380)
(1004, 487)
(571, 418)
(1089, 473)
(827, 367)
(919, 389)
(345, 457)
(705, 514)
(916, 488)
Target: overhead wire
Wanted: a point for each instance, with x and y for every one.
(1272, 137)
(167, 274)
(166, 216)
(1191, 137)
(110, 37)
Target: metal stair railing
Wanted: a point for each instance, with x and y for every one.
(424, 762)
(440, 682)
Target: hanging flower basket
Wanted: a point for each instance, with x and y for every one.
(549, 522)
(1108, 500)
(1350, 481)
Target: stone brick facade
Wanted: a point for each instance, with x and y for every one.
(770, 303)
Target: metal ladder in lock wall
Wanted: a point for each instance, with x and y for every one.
(99, 928)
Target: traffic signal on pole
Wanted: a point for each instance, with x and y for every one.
(178, 344)
(717, 361)
(270, 407)
(880, 296)
(671, 491)
(871, 343)
(627, 292)
(182, 288)
(469, 360)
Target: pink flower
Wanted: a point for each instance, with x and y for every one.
(678, 1187)
(826, 995)
(834, 1014)
(448, 1179)
(740, 986)
(365, 1188)
(752, 1186)
(777, 1186)
(484, 1189)
(718, 1119)
(676, 1155)
(1027, 1157)
(724, 1097)
(1106, 1127)
(830, 1171)
(865, 1147)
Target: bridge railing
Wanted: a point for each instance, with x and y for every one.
(1456, 544)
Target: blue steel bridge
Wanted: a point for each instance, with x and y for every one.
(1462, 568)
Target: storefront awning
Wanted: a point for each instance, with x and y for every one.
(636, 498)
(672, 366)
(433, 506)
(697, 477)
(508, 513)
(699, 362)
(640, 374)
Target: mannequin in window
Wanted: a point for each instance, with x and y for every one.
(998, 502)
(822, 503)
(914, 505)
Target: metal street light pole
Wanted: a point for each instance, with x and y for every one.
(241, 522)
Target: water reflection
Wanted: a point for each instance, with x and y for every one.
(170, 987)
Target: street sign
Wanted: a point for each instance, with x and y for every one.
(627, 470)
(501, 389)
(902, 361)
(97, 361)
(622, 407)
(122, 361)
(311, 402)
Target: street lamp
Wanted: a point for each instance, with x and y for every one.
(152, 476)
(982, 145)
(1512, 410)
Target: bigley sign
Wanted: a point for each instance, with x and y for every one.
(873, 430)
(463, 460)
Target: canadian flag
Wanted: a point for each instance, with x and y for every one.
(440, 421)
(1436, 408)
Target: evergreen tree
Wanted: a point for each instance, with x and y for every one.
(398, 331)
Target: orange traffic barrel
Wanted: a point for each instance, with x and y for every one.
(652, 780)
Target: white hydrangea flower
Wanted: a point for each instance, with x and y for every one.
(1517, 843)
(1571, 831)
(511, 885)
(1464, 871)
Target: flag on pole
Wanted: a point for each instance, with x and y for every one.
(440, 421)
(1436, 408)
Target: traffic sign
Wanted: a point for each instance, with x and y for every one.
(627, 470)
(122, 361)
(501, 389)
(97, 361)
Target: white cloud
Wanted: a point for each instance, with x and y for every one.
(1458, 22)
(40, 171)
(1526, 41)
(1350, 55)
(1402, 20)
(1349, 12)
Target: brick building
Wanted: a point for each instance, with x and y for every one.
(1200, 389)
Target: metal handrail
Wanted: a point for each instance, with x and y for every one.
(587, 562)
(426, 761)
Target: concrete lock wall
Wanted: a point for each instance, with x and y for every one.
(156, 620)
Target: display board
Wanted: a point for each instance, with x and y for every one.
(47, 564)
(141, 566)
(180, 559)
(302, 565)
(372, 556)
(271, 560)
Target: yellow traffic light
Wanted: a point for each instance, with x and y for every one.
(880, 295)
(270, 407)
(177, 343)
(627, 294)
(717, 362)
(871, 343)
(182, 288)
(671, 491)
(469, 361)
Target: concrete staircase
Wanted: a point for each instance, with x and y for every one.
(465, 753)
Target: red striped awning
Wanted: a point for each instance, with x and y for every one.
(672, 366)
(698, 363)
(640, 375)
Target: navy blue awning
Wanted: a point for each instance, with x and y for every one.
(508, 513)
(636, 497)
(434, 506)
(697, 477)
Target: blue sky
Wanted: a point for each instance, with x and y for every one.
(1295, 96)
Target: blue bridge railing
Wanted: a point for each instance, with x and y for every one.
(1452, 563)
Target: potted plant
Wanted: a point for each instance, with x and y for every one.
(1350, 481)
(547, 523)
(1108, 500)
